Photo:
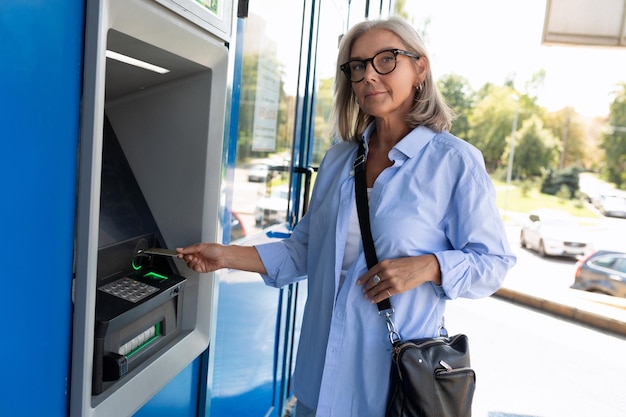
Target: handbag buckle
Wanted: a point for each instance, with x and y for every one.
(394, 336)
(443, 332)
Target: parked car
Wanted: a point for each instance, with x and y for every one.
(555, 233)
(613, 205)
(261, 173)
(603, 272)
(273, 209)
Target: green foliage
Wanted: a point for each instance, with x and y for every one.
(516, 200)
(500, 173)
(491, 123)
(536, 149)
(564, 192)
(566, 126)
(614, 141)
(526, 187)
(457, 92)
(551, 141)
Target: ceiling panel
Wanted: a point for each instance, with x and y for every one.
(585, 23)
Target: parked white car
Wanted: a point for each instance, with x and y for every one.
(613, 205)
(555, 233)
(260, 173)
(273, 209)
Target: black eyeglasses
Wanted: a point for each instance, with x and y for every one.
(383, 63)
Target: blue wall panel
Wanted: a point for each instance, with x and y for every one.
(243, 380)
(40, 80)
(179, 398)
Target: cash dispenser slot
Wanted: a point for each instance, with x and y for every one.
(139, 293)
(135, 316)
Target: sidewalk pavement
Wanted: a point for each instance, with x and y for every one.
(603, 312)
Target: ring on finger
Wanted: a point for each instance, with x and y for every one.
(388, 292)
(376, 279)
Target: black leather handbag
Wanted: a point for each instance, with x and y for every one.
(430, 377)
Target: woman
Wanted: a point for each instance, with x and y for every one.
(436, 228)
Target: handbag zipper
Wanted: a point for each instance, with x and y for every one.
(406, 345)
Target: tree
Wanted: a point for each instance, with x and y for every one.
(614, 140)
(491, 123)
(536, 151)
(594, 154)
(567, 126)
(458, 93)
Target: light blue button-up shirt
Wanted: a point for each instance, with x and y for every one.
(436, 198)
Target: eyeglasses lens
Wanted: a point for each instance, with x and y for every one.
(383, 62)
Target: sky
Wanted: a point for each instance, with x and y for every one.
(494, 40)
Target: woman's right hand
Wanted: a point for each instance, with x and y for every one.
(202, 257)
(209, 257)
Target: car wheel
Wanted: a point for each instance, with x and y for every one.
(522, 240)
(542, 249)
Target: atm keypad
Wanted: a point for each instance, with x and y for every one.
(129, 289)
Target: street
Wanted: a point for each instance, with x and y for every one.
(529, 363)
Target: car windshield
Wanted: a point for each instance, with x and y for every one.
(615, 201)
(556, 219)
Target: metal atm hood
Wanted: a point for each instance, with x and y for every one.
(125, 78)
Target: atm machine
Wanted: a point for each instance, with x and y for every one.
(153, 113)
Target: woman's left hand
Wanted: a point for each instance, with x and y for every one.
(393, 276)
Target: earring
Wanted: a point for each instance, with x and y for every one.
(417, 92)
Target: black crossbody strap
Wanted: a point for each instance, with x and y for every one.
(362, 207)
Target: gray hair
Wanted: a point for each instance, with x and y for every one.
(429, 109)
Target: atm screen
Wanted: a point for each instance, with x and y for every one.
(124, 213)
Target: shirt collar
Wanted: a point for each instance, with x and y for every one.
(409, 146)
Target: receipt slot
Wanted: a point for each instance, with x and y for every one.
(150, 162)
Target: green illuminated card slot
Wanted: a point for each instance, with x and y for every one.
(154, 275)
